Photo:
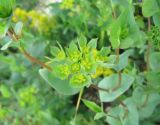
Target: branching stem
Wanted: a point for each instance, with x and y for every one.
(27, 55)
(117, 59)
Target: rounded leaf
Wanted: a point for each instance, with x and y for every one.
(110, 83)
(61, 86)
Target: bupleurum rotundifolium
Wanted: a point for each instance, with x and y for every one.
(79, 62)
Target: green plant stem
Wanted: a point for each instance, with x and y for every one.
(119, 81)
(78, 103)
(117, 60)
(145, 101)
(102, 38)
(147, 60)
(12, 35)
(126, 110)
(34, 60)
(148, 46)
(119, 72)
(125, 114)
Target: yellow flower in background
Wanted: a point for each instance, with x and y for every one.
(107, 72)
(101, 71)
(20, 15)
(32, 14)
(67, 4)
(35, 20)
(27, 96)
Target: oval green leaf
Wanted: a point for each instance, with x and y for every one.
(61, 86)
(111, 82)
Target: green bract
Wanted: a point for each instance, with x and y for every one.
(6, 8)
(78, 62)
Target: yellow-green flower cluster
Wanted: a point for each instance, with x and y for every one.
(20, 14)
(75, 67)
(67, 4)
(35, 20)
(80, 62)
(64, 71)
(87, 64)
(85, 49)
(78, 80)
(98, 56)
(101, 71)
(27, 96)
(75, 56)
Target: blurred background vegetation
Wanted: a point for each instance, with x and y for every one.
(25, 98)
